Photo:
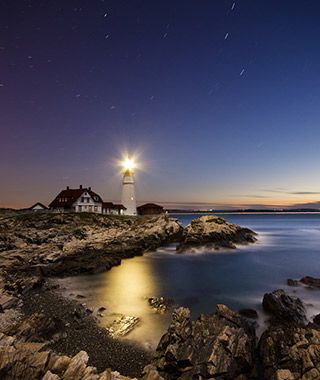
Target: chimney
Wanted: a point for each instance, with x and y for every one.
(89, 188)
(80, 187)
(67, 187)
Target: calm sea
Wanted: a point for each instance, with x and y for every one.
(288, 247)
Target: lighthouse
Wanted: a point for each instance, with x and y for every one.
(128, 193)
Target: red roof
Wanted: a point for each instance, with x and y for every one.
(66, 198)
(112, 206)
(119, 207)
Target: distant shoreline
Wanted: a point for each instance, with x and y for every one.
(241, 212)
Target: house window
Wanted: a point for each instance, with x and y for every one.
(82, 199)
(95, 208)
(80, 208)
(90, 208)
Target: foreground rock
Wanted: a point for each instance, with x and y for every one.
(214, 232)
(30, 361)
(284, 308)
(220, 346)
(67, 244)
(290, 353)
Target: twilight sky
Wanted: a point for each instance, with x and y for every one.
(220, 100)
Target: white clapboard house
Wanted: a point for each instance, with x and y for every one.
(83, 200)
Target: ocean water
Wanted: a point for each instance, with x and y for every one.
(288, 247)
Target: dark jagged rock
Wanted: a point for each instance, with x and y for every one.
(219, 346)
(249, 313)
(316, 319)
(291, 282)
(311, 281)
(290, 353)
(214, 232)
(284, 307)
(160, 304)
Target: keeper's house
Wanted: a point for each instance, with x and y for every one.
(77, 200)
(84, 200)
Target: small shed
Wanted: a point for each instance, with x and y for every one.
(150, 209)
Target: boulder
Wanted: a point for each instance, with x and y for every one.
(249, 313)
(316, 319)
(290, 353)
(284, 307)
(311, 281)
(160, 304)
(122, 325)
(221, 345)
(214, 232)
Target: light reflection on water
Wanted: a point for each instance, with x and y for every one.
(288, 247)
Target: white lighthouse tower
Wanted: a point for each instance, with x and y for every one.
(128, 193)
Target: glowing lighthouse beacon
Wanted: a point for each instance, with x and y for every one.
(128, 194)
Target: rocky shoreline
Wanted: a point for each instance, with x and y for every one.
(46, 336)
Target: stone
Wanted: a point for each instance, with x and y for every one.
(77, 366)
(311, 281)
(151, 373)
(160, 304)
(59, 363)
(316, 319)
(284, 374)
(122, 325)
(249, 313)
(51, 376)
(284, 307)
(289, 351)
(214, 232)
(227, 344)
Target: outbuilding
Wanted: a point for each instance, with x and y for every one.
(150, 209)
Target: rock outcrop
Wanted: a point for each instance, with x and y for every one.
(289, 349)
(31, 361)
(67, 244)
(290, 353)
(284, 308)
(311, 281)
(214, 232)
(219, 346)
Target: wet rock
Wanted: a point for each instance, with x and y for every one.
(249, 313)
(311, 281)
(284, 307)
(316, 319)
(122, 325)
(226, 340)
(214, 232)
(160, 304)
(291, 282)
(290, 352)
